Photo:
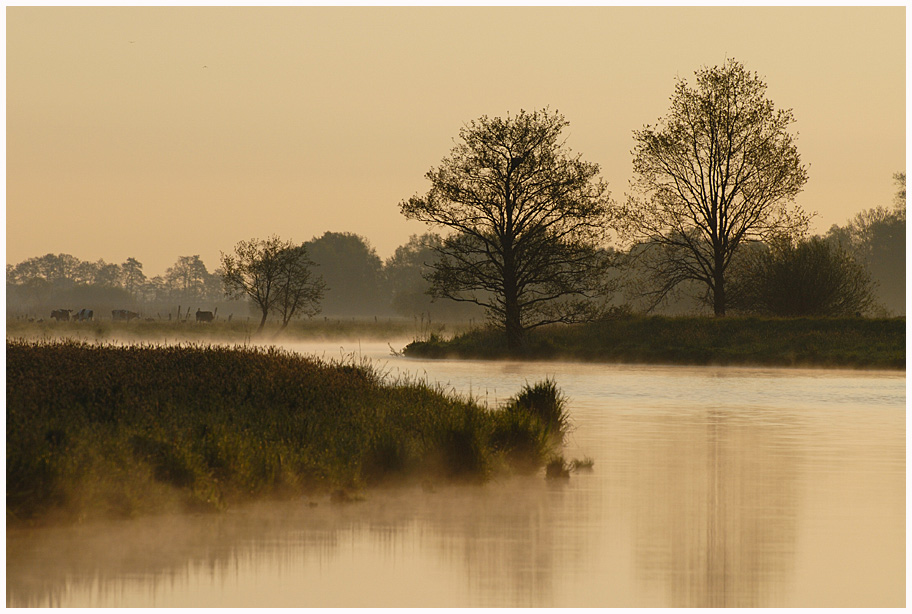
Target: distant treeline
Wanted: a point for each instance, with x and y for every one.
(359, 283)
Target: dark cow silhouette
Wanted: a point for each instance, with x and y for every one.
(83, 315)
(61, 314)
(204, 316)
(123, 314)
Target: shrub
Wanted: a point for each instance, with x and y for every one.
(813, 277)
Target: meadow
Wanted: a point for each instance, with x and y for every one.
(798, 342)
(238, 330)
(100, 430)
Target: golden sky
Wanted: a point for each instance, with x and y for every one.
(154, 133)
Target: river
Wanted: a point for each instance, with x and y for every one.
(711, 486)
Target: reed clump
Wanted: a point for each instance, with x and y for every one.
(559, 467)
(97, 431)
(531, 425)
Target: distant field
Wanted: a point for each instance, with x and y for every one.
(99, 431)
(237, 330)
(804, 342)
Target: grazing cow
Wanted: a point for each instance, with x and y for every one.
(123, 314)
(61, 314)
(204, 316)
(83, 314)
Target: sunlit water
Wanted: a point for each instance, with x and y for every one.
(711, 487)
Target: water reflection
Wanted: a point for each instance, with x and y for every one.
(458, 546)
(711, 487)
(716, 508)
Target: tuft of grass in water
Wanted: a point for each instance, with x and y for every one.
(557, 468)
(114, 430)
(583, 464)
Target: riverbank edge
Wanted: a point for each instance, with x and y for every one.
(103, 431)
(844, 343)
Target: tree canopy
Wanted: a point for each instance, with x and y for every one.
(527, 218)
(188, 279)
(275, 274)
(876, 237)
(352, 271)
(720, 169)
(405, 275)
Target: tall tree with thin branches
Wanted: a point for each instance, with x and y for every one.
(299, 291)
(721, 169)
(275, 275)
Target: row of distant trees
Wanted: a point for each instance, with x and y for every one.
(356, 282)
(867, 253)
(526, 227)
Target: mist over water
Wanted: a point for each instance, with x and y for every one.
(711, 487)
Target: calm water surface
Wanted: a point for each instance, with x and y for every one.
(711, 487)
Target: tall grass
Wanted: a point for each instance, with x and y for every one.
(810, 342)
(104, 430)
(545, 401)
(239, 330)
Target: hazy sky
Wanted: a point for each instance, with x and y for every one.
(162, 132)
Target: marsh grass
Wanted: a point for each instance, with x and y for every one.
(238, 330)
(557, 468)
(799, 342)
(582, 464)
(545, 401)
(114, 430)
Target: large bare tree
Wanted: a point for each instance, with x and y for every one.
(527, 217)
(275, 274)
(719, 170)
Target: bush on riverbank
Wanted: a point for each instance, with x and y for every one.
(810, 342)
(101, 431)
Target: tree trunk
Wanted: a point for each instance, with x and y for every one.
(512, 318)
(515, 333)
(512, 314)
(263, 321)
(719, 292)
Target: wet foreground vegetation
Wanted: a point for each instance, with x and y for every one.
(100, 431)
(796, 342)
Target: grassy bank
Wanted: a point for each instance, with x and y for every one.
(239, 330)
(850, 343)
(100, 431)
